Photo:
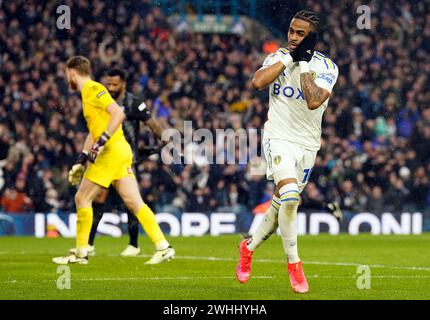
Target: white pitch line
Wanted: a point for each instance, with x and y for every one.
(170, 278)
(146, 278)
(312, 276)
(346, 264)
(252, 277)
(327, 263)
(392, 276)
(354, 264)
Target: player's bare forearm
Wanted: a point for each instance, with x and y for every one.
(89, 141)
(155, 127)
(117, 116)
(314, 95)
(266, 75)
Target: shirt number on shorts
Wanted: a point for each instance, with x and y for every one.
(307, 175)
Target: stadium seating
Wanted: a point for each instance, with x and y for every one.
(376, 132)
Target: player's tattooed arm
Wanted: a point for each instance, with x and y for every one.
(314, 95)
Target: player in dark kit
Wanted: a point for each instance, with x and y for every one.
(136, 111)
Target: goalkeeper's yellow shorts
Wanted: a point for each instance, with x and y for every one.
(114, 162)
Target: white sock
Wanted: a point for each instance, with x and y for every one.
(287, 219)
(162, 245)
(81, 252)
(267, 226)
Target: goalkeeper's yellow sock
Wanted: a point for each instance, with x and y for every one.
(83, 229)
(147, 219)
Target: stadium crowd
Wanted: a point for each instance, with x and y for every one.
(376, 131)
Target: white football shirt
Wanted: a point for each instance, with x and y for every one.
(289, 117)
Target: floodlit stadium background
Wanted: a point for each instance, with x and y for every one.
(193, 61)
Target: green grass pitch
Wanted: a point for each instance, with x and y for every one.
(205, 269)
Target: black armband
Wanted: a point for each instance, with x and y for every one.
(103, 139)
(82, 158)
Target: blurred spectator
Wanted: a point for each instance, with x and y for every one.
(15, 200)
(376, 200)
(377, 122)
(349, 196)
(397, 194)
(313, 198)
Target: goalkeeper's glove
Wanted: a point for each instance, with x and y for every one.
(305, 50)
(77, 171)
(98, 147)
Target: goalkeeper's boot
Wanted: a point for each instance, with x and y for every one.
(162, 255)
(297, 278)
(130, 251)
(70, 259)
(243, 269)
(91, 251)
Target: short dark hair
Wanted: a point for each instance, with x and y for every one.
(81, 64)
(310, 17)
(114, 72)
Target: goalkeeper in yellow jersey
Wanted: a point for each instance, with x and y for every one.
(110, 163)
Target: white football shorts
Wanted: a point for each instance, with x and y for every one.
(288, 160)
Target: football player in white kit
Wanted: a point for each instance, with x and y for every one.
(301, 81)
